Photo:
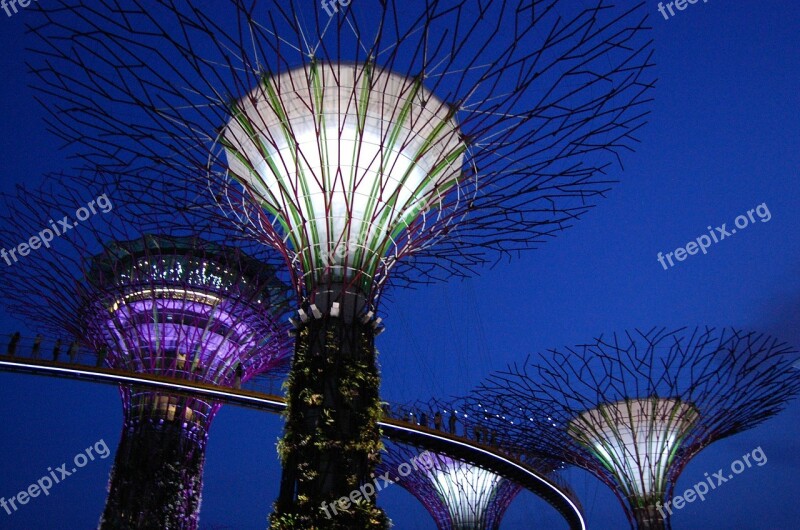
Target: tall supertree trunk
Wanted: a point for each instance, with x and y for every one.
(332, 441)
(158, 469)
(649, 518)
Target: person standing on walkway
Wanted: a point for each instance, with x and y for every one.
(101, 355)
(73, 351)
(476, 431)
(37, 346)
(437, 421)
(12, 344)
(237, 380)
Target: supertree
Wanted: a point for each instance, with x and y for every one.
(457, 494)
(348, 138)
(634, 409)
(170, 305)
(464, 494)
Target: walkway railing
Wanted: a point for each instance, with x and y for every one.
(265, 393)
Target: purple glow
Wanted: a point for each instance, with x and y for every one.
(194, 334)
(458, 495)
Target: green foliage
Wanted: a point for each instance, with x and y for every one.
(332, 414)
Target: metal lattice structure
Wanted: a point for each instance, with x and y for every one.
(452, 132)
(163, 305)
(634, 409)
(458, 495)
(460, 417)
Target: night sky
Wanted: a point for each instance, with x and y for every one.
(723, 138)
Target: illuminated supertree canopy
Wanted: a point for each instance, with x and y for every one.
(166, 305)
(450, 131)
(458, 495)
(184, 307)
(380, 147)
(634, 409)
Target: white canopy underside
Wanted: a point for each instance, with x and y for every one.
(465, 489)
(344, 157)
(636, 440)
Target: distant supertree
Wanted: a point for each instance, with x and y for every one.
(633, 409)
(167, 305)
(189, 310)
(348, 138)
(458, 495)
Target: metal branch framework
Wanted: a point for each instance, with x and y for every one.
(458, 495)
(462, 418)
(452, 132)
(633, 409)
(161, 305)
(467, 418)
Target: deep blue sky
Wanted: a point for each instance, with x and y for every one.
(723, 138)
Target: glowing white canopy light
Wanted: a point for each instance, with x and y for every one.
(345, 157)
(465, 489)
(636, 440)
